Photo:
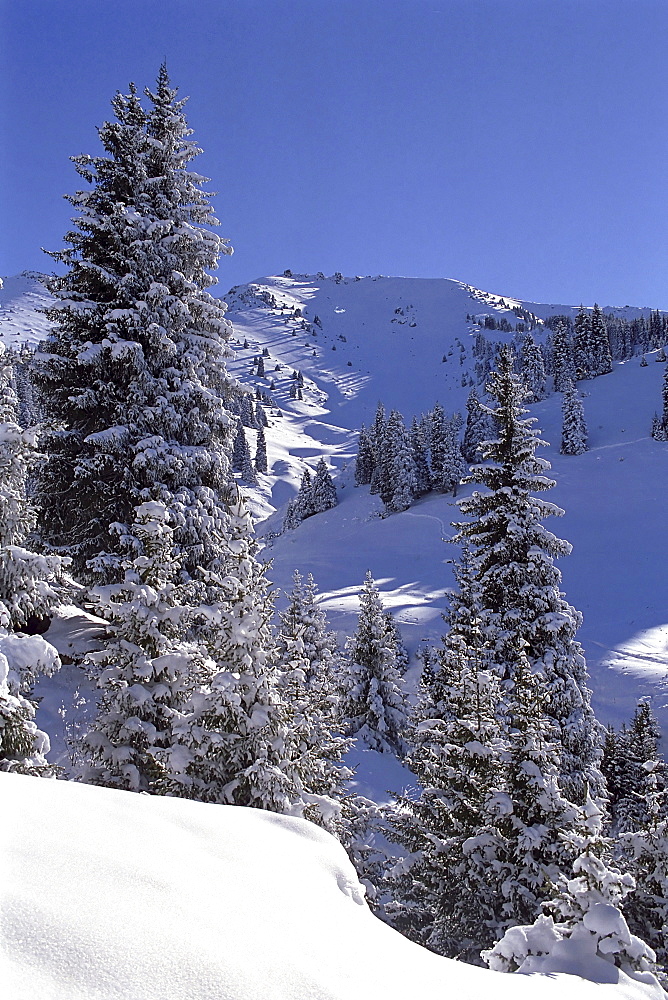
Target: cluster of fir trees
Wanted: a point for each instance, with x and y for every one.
(198, 695)
(626, 338)
(562, 361)
(316, 494)
(503, 841)
(242, 462)
(660, 422)
(401, 465)
(30, 584)
(637, 783)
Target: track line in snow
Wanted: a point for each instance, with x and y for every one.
(445, 537)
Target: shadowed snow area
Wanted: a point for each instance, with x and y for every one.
(109, 895)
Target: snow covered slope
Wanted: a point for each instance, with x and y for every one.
(109, 895)
(360, 340)
(21, 298)
(409, 343)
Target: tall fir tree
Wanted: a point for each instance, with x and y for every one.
(241, 456)
(377, 435)
(301, 506)
(23, 746)
(241, 741)
(582, 345)
(364, 462)
(323, 490)
(563, 363)
(660, 424)
(446, 893)
(478, 428)
(539, 827)
(518, 586)
(626, 754)
(261, 451)
(373, 705)
(30, 586)
(399, 483)
(132, 376)
(645, 850)
(304, 619)
(436, 423)
(600, 343)
(308, 663)
(574, 428)
(420, 459)
(454, 466)
(532, 368)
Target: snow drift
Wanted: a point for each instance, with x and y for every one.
(108, 894)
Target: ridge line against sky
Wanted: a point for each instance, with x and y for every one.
(516, 145)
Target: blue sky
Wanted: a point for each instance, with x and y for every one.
(519, 145)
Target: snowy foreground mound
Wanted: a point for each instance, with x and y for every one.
(108, 894)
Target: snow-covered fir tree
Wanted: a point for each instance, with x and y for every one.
(539, 823)
(660, 423)
(582, 345)
(301, 506)
(133, 374)
(625, 756)
(419, 451)
(261, 451)
(304, 619)
(377, 435)
(260, 416)
(23, 746)
(247, 411)
(645, 851)
(574, 427)
(146, 672)
(436, 424)
(563, 363)
(600, 344)
(589, 926)
(446, 893)
(454, 466)
(241, 456)
(398, 482)
(240, 740)
(373, 705)
(308, 661)
(364, 462)
(233, 731)
(532, 368)
(323, 490)
(518, 586)
(478, 428)
(31, 584)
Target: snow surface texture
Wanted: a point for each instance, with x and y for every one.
(21, 298)
(109, 895)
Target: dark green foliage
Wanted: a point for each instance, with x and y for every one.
(133, 375)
